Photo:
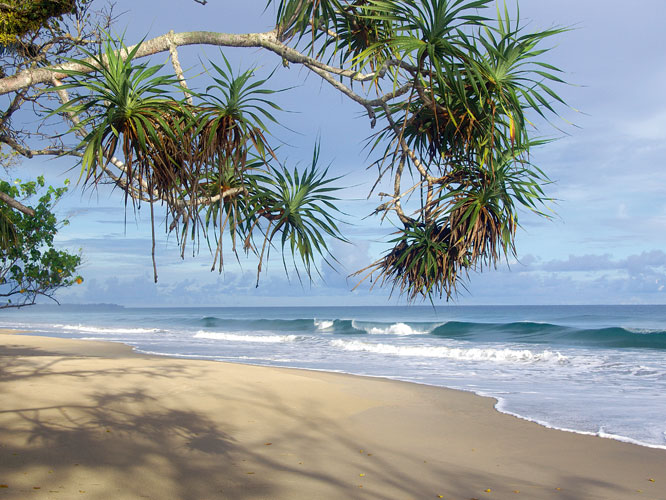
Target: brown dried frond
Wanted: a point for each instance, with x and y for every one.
(423, 262)
(482, 224)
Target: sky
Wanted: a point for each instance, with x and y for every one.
(606, 241)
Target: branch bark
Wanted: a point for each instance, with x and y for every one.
(267, 40)
(16, 204)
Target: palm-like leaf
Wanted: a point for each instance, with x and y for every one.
(426, 31)
(297, 17)
(356, 32)
(232, 117)
(8, 232)
(300, 208)
(457, 124)
(129, 107)
(472, 224)
(470, 93)
(421, 263)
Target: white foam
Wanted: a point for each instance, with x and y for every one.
(624, 439)
(234, 337)
(501, 407)
(323, 324)
(96, 329)
(176, 355)
(473, 354)
(646, 371)
(644, 331)
(394, 329)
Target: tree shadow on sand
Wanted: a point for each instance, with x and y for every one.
(113, 435)
(139, 445)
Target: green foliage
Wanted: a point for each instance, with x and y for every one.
(472, 222)
(454, 85)
(30, 265)
(463, 130)
(299, 206)
(125, 107)
(18, 17)
(208, 159)
(230, 120)
(422, 262)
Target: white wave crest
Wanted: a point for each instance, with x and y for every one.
(473, 354)
(394, 329)
(234, 337)
(110, 329)
(644, 331)
(323, 324)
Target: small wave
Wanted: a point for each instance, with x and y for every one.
(280, 325)
(398, 328)
(338, 327)
(645, 331)
(329, 326)
(356, 327)
(619, 337)
(210, 321)
(517, 330)
(394, 329)
(547, 333)
(234, 337)
(110, 329)
(473, 354)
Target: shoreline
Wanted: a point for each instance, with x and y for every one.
(97, 418)
(497, 401)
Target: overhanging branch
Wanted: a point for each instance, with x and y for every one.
(17, 205)
(267, 40)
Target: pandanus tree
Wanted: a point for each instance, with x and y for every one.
(450, 87)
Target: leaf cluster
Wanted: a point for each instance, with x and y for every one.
(30, 264)
(205, 155)
(18, 17)
(455, 87)
(459, 129)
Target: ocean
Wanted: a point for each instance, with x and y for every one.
(590, 369)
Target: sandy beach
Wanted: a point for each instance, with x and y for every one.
(83, 419)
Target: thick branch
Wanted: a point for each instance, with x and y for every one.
(267, 40)
(16, 204)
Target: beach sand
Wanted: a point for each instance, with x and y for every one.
(93, 420)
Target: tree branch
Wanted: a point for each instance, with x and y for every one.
(29, 153)
(267, 40)
(178, 68)
(16, 204)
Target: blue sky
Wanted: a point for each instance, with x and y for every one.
(606, 243)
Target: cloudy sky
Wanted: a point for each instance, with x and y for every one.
(605, 244)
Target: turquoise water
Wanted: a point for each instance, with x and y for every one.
(589, 369)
